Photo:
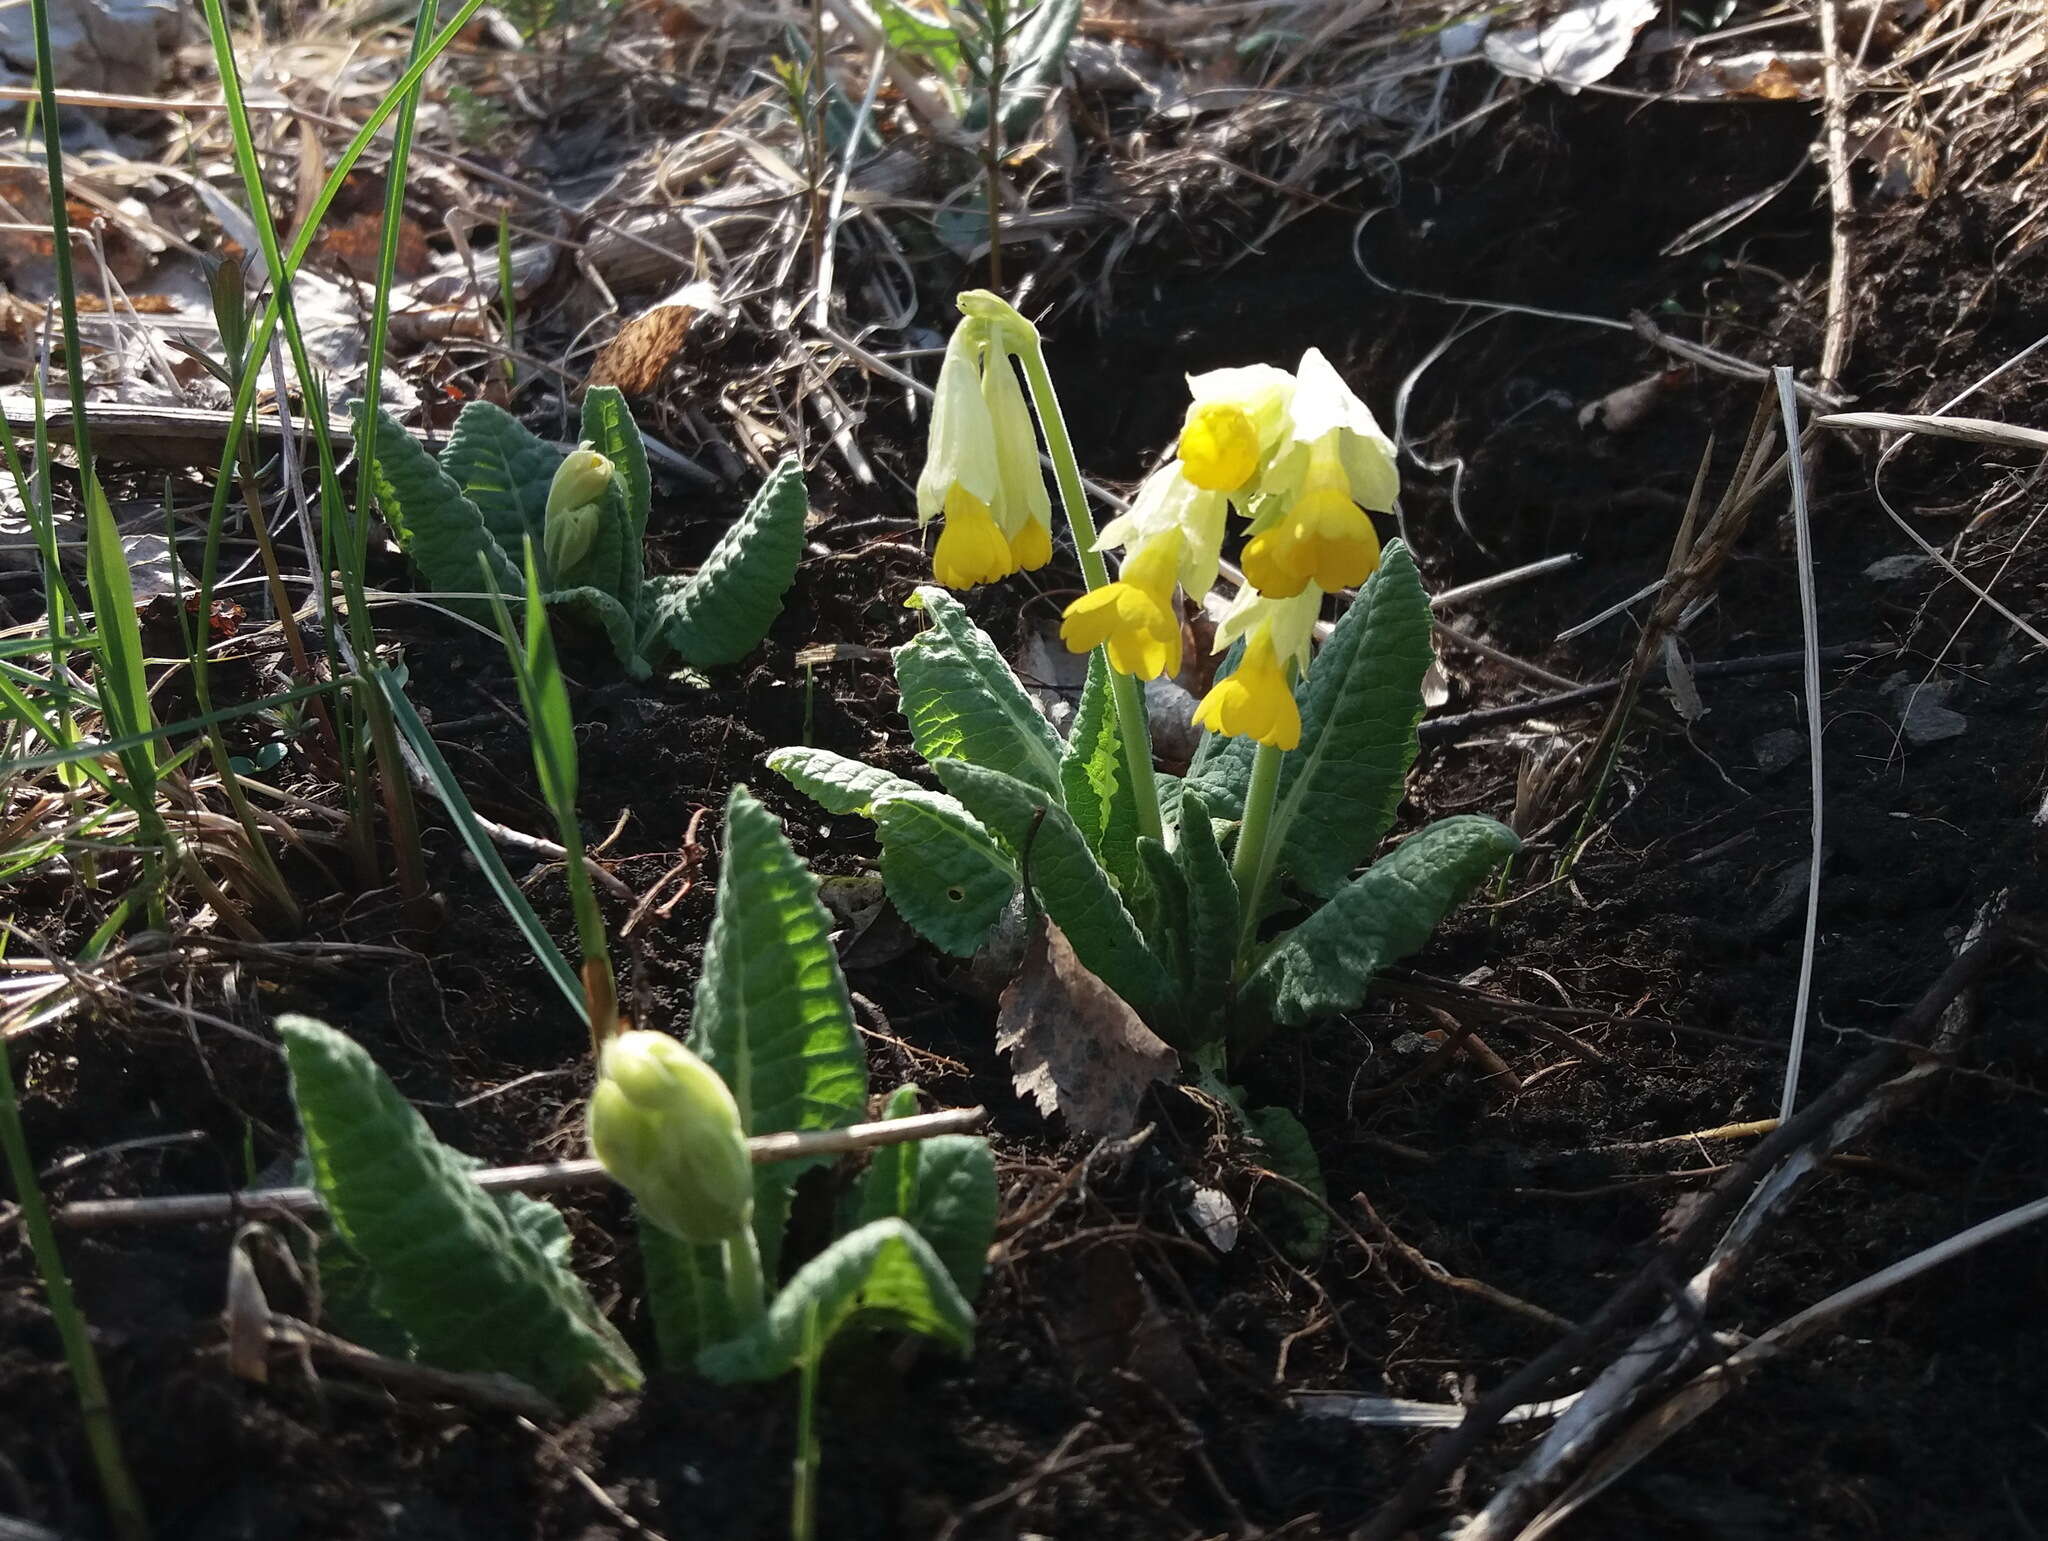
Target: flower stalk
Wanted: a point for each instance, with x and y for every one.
(1133, 726)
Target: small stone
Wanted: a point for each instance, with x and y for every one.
(1926, 721)
(1895, 569)
(1775, 751)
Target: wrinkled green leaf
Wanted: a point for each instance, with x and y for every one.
(718, 615)
(772, 1013)
(944, 1186)
(1290, 1152)
(476, 1286)
(1162, 904)
(609, 429)
(686, 1295)
(884, 1274)
(1340, 790)
(834, 782)
(1069, 883)
(1214, 918)
(600, 611)
(502, 468)
(944, 874)
(1097, 781)
(1325, 964)
(434, 524)
(965, 703)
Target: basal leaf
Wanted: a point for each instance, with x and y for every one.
(943, 872)
(1097, 781)
(1325, 964)
(884, 1274)
(945, 1187)
(834, 782)
(772, 1014)
(476, 1286)
(965, 703)
(1340, 790)
(718, 615)
(1069, 883)
(686, 1295)
(434, 523)
(601, 611)
(609, 429)
(1162, 905)
(502, 468)
(1214, 917)
(1291, 1153)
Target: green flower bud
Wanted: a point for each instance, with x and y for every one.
(574, 508)
(581, 478)
(666, 1126)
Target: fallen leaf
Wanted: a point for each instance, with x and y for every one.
(639, 356)
(1075, 1047)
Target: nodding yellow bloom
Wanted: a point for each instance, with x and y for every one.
(1318, 536)
(981, 465)
(1255, 701)
(972, 548)
(1233, 425)
(1134, 617)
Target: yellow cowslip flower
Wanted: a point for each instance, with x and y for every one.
(1134, 617)
(1254, 701)
(981, 465)
(971, 546)
(1310, 525)
(1257, 699)
(1233, 424)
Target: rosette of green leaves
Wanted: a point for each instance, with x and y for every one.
(488, 493)
(1161, 922)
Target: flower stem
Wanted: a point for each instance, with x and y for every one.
(1133, 726)
(1252, 862)
(743, 1292)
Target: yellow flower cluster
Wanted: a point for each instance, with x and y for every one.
(1298, 455)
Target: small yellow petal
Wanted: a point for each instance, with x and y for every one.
(1031, 546)
(1219, 446)
(971, 547)
(1270, 562)
(1254, 702)
(1141, 633)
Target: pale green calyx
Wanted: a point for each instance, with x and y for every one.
(665, 1125)
(574, 507)
(1018, 334)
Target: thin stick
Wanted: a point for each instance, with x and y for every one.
(1834, 352)
(543, 1177)
(1809, 622)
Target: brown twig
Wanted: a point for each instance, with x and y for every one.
(544, 1177)
(1437, 1274)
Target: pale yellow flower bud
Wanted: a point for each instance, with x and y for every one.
(575, 508)
(665, 1125)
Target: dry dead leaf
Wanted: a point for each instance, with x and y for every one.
(1075, 1047)
(639, 356)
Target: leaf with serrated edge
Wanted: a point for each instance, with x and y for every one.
(1214, 915)
(1291, 1153)
(1340, 790)
(835, 783)
(595, 607)
(609, 429)
(944, 874)
(1067, 879)
(502, 468)
(1096, 780)
(964, 702)
(686, 1295)
(434, 523)
(476, 1288)
(944, 1186)
(1326, 964)
(884, 1274)
(772, 1013)
(1075, 1047)
(720, 614)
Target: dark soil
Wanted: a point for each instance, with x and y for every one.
(1128, 1380)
